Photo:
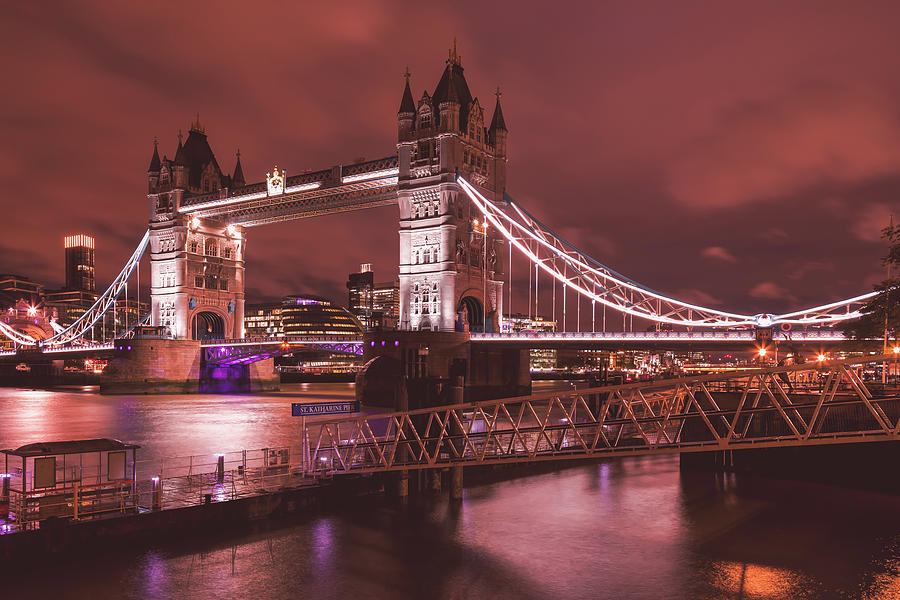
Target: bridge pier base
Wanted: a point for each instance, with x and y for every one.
(152, 366)
(427, 366)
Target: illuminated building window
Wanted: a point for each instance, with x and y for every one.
(226, 253)
(211, 247)
(194, 247)
(198, 281)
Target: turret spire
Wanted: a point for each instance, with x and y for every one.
(155, 163)
(196, 126)
(453, 57)
(498, 123)
(406, 103)
(237, 177)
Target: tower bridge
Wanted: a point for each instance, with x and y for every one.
(459, 230)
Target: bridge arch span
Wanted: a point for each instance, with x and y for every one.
(208, 323)
(470, 311)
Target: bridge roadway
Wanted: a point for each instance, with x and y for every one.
(236, 351)
(799, 405)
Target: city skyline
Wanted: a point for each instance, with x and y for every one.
(744, 152)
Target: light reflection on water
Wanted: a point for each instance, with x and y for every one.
(629, 528)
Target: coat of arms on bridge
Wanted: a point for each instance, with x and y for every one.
(275, 182)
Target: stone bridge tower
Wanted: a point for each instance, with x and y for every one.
(196, 265)
(450, 264)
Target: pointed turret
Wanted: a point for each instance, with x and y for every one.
(180, 158)
(407, 105)
(155, 163)
(237, 178)
(406, 116)
(497, 123)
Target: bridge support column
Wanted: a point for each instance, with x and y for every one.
(456, 483)
(434, 481)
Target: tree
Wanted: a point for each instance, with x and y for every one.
(881, 315)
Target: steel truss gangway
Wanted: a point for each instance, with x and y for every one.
(800, 405)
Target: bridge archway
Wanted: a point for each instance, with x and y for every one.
(207, 325)
(470, 313)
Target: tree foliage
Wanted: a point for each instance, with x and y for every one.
(882, 312)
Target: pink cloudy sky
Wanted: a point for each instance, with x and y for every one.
(739, 154)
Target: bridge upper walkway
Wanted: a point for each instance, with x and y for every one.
(799, 405)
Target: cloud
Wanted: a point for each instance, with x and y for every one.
(698, 297)
(870, 221)
(768, 290)
(784, 145)
(718, 253)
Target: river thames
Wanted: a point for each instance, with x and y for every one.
(625, 528)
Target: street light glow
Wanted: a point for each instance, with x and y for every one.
(762, 352)
(896, 349)
(821, 358)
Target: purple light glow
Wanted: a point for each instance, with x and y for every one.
(396, 342)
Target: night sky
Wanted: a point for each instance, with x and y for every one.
(743, 158)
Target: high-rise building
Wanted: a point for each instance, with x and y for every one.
(376, 305)
(360, 301)
(79, 262)
(386, 301)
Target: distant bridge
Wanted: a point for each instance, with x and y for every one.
(247, 350)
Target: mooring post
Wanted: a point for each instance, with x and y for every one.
(156, 503)
(403, 475)
(220, 468)
(456, 473)
(4, 488)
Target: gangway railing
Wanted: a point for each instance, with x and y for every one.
(800, 405)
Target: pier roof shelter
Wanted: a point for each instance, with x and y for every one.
(76, 478)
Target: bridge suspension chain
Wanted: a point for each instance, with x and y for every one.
(593, 280)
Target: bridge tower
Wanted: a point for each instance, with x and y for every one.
(196, 264)
(451, 266)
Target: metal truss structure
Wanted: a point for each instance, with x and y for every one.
(800, 405)
(238, 352)
(588, 277)
(92, 316)
(341, 189)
